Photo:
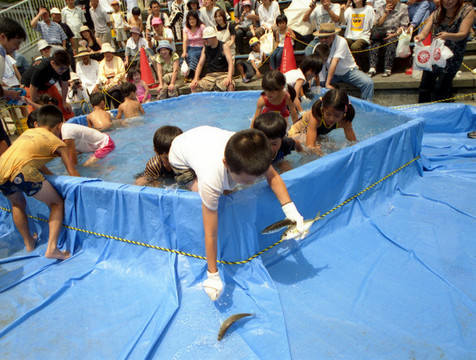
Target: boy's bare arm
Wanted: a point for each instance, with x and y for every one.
(64, 153)
(259, 109)
(141, 109)
(45, 170)
(277, 185)
(210, 226)
(292, 110)
(72, 150)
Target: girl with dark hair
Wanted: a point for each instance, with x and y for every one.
(452, 23)
(225, 31)
(192, 41)
(332, 111)
(91, 42)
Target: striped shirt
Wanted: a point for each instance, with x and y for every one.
(52, 33)
(155, 169)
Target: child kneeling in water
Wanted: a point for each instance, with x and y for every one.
(332, 111)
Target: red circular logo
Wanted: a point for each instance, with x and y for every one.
(437, 54)
(423, 56)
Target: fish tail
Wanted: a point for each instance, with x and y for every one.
(318, 216)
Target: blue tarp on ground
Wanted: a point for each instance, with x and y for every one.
(389, 274)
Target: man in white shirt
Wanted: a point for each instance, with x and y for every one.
(340, 64)
(318, 14)
(207, 13)
(87, 70)
(102, 22)
(74, 17)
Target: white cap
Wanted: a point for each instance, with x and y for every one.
(55, 10)
(42, 44)
(209, 32)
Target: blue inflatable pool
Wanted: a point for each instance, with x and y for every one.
(387, 273)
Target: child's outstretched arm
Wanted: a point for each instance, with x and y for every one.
(348, 130)
(141, 109)
(292, 110)
(64, 153)
(72, 150)
(311, 135)
(259, 109)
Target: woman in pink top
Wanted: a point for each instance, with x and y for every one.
(192, 41)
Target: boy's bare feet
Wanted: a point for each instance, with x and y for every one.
(57, 254)
(31, 243)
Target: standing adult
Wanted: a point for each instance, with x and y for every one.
(41, 77)
(73, 16)
(156, 13)
(451, 23)
(192, 41)
(56, 17)
(207, 13)
(102, 22)
(49, 30)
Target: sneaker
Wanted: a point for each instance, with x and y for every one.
(387, 73)
(372, 72)
(245, 80)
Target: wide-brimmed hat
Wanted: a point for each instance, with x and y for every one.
(106, 47)
(254, 40)
(82, 51)
(73, 76)
(164, 44)
(135, 30)
(156, 21)
(326, 29)
(42, 44)
(84, 28)
(209, 32)
(55, 10)
(115, 2)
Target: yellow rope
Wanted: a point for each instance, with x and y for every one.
(220, 261)
(433, 102)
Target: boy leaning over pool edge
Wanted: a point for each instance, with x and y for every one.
(211, 161)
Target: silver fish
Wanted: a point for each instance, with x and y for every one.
(291, 230)
(230, 321)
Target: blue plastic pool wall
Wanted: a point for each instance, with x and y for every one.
(138, 302)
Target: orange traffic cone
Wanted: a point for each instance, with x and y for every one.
(288, 61)
(145, 70)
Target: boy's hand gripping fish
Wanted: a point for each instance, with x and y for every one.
(290, 225)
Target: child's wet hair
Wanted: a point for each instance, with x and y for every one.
(272, 124)
(311, 62)
(32, 119)
(248, 151)
(49, 116)
(127, 89)
(322, 51)
(336, 99)
(96, 98)
(45, 99)
(163, 138)
(131, 72)
(273, 81)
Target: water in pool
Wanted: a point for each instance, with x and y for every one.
(134, 142)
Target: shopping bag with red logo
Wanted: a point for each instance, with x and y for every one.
(422, 58)
(440, 53)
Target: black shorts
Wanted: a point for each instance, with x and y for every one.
(19, 184)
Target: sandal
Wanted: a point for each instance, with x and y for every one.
(372, 72)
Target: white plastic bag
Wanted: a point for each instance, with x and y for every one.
(267, 42)
(440, 53)
(422, 58)
(403, 46)
(184, 68)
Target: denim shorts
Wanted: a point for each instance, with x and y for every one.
(19, 184)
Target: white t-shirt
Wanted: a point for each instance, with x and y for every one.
(208, 17)
(359, 22)
(9, 76)
(320, 16)
(89, 74)
(118, 19)
(268, 16)
(340, 49)
(74, 18)
(256, 56)
(86, 139)
(294, 75)
(203, 149)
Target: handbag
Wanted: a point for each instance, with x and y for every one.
(267, 42)
(403, 46)
(377, 33)
(185, 69)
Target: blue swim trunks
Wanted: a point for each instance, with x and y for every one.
(19, 184)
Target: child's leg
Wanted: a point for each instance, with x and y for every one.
(50, 197)
(20, 219)
(239, 67)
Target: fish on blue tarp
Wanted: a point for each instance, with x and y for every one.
(290, 231)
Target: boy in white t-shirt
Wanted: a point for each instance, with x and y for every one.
(341, 65)
(213, 161)
(251, 67)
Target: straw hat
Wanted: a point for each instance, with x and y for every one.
(82, 51)
(164, 44)
(106, 47)
(84, 28)
(326, 29)
(42, 44)
(209, 32)
(254, 40)
(115, 3)
(55, 10)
